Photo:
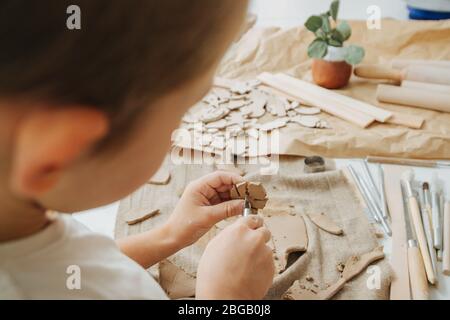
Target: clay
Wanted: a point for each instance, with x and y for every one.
(288, 234)
(254, 191)
(353, 267)
(176, 282)
(323, 222)
(161, 177)
(138, 216)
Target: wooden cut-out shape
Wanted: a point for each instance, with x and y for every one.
(241, 190)
(140, 215)
(323, 222)
(223, 94)
(259, 101)
(276, 106)
(288, 233)
(306, 121)
(273, 125)
(161, 177)
(176, 282)
(212, 114)
(308, 111)
(190, 118)
(253, 133)
(221, 124)
(237, 104)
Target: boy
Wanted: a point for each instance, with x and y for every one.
(83, 114)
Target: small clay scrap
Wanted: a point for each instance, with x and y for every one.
(176, 283)
(161, 177)
(254, 191)
(323, 222)
(138, 216)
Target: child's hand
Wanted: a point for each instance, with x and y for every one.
(237, 264)
(204, 203)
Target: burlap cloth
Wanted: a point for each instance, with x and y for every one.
(285, 50)
(331, 192)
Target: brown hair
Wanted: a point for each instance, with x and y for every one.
(126, 53)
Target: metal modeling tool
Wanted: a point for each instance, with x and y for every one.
(247, 208)
(384, 206)
(417, 274)
(418, 225)
(426, 220)
(376, 213)
(436, 217)
(376, 192)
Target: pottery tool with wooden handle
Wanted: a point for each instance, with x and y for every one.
(413, 97)
(418, 73)
(418, 225)
(426, 86)
(416, 268)
(446, 253)
(436, 218)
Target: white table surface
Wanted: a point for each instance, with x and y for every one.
(288, 13)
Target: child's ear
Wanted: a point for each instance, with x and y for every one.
(48, 141)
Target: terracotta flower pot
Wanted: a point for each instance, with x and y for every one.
(331, 74)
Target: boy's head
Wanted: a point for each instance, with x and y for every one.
(86, 115)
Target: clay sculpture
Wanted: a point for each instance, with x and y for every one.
(255, 193)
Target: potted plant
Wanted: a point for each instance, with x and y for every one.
(332, 64)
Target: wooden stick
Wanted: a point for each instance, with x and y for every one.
(410, 162)
(379, 114)
(339, 110)
(446, 253)
(400, 286)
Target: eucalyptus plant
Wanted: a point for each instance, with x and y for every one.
(331, 32)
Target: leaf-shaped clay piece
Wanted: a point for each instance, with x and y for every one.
(322, 221)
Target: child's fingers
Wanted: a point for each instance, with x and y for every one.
(226, 210)
(218, 182)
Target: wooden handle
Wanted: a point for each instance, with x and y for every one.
(378, 72)
(417, 274)
(413, 97)
(421, 239)
(446, 244)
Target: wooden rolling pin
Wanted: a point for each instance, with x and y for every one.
(413, 97)
(403, 63)
(419, 73)
(426, 86)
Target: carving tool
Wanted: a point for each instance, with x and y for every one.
(436, 218)
(417, 274)
(409, 162)
(384, 206)
(427, 74)
(418, 225)
(427, 202)
(373, 185)
(446, 253)
(247, 208)
(365, 192)
(426, 219)
(375, 205)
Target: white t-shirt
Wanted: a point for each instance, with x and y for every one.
(68, 261)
